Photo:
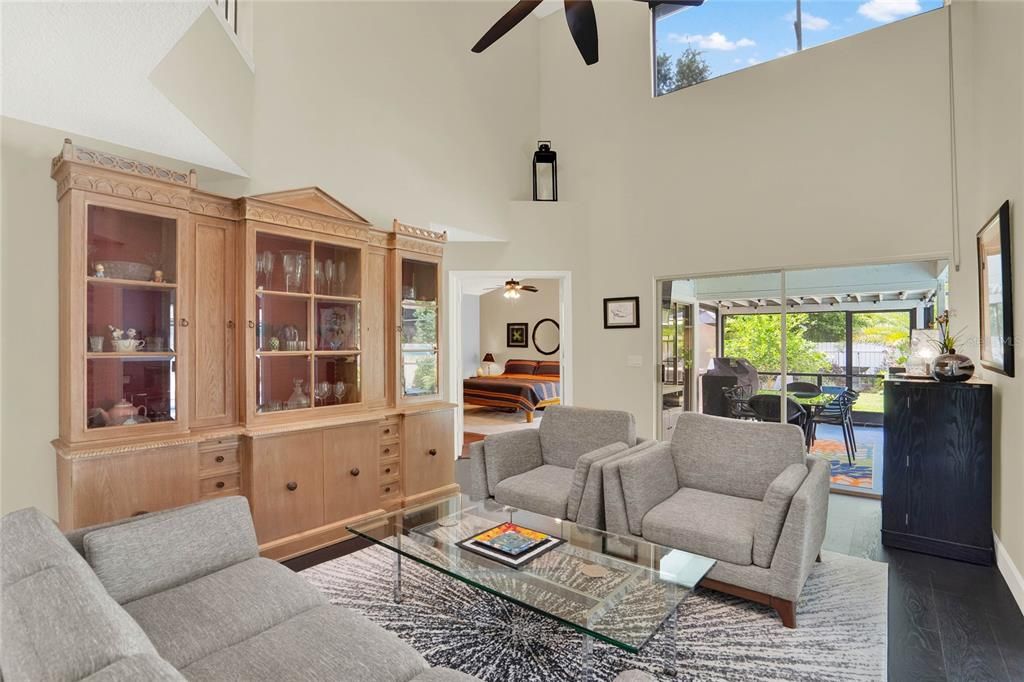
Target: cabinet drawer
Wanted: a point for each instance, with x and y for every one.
(389, 470)
(219, 485)
(388, 450)
(215, 460)
(390, 490)
(389, 432)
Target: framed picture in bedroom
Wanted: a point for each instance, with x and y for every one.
(995, 290)
(517, 335)
(622, 313)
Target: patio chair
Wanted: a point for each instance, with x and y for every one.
(767, 409)
(839, 413)
(803, 388)
(737, 397)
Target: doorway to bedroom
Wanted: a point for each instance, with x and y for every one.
(509, 349)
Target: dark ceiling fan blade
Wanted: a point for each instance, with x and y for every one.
(530, 288)
(519, 11)
(579, 14)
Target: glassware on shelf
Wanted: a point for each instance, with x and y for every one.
(322, 390)
(264, 269)
(318, 275)
(339, 391)
(294, 263)
(298, 398)
(329, 273)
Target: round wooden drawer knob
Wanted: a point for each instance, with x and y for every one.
(388, 470)
(220, 484)
(387, 490)
(219, 459)
(387, 430)
(432, 452)
(291, 485)
(354, 471)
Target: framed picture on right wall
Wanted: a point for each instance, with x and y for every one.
(995, 285)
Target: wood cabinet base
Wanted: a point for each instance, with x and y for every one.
(943, 548)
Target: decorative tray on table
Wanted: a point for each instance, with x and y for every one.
(510, 544)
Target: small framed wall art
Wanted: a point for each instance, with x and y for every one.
(517, 335)
(995, 288)
(622, 313)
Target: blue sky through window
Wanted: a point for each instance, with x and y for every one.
(735, 34)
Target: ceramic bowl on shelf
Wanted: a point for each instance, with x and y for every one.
(126, 269)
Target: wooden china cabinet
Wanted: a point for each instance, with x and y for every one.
(276, 346)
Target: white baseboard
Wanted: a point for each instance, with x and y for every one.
(1010, 573)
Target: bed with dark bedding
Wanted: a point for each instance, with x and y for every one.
(525, 385)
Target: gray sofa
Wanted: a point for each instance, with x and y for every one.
(557, 469)
(177, 595)
(743, 493)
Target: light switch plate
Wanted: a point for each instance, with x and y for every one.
(634, 361)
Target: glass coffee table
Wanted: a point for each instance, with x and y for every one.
(617, 589)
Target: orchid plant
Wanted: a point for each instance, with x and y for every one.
(947, 341)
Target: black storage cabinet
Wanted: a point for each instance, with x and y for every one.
(938, 469)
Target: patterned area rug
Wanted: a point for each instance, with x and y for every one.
(841, 633)
(858, 475)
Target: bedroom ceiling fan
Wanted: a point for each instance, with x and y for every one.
(513, 288)
(579, 14)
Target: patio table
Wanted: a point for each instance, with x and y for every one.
(814, 404)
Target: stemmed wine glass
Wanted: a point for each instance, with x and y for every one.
(318, 275)
(264, 268)
(339, 391)
(329, 276)
(322, 390)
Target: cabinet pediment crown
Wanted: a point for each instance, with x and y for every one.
(315, 200)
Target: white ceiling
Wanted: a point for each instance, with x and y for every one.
(84, 68)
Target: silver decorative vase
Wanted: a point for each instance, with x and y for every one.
(953, 367)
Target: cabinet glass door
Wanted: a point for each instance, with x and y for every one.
(131, 299)
(419, 339)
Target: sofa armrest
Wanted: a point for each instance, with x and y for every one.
(477, 471)
(580, 474)
(774, 508)
(803, 533)
(510, 454)
(158, 552)
(592, 512)
(648, 479)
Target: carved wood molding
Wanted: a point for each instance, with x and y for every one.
(419, 232)
(268, 213)
(416, 245)
(104, 183)
(213, 205)
(122, 164)
(88, 451)
(378, 238)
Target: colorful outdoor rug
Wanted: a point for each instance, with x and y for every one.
(858, 475)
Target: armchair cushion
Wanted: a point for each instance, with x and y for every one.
(544, 490)
(773, 512)
(156, 553)
(648, 479)
(568, 432)
(717, 526)
(733, 457)
(510, 454)
(581, 474)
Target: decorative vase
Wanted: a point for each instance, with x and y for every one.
(952, 367)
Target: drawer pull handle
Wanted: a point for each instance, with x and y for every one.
(387, 490)
(388, 470)
(291, 485)
(184, 322)
(231, 324)
(432, 452)
(387, 430)
(387, 451)
(252, 325)
(354, 471)
(219, 459)
(220, 484)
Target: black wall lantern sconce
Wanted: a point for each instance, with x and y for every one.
(545, 172)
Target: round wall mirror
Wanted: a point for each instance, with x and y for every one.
(546, 337)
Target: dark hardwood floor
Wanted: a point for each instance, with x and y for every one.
(948, 620)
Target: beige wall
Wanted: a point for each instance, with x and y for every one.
(990, 125)
(496, 311)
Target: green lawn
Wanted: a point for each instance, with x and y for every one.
(869, 402)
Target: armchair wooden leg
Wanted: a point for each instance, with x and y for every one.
(529, 417)
(786, 610)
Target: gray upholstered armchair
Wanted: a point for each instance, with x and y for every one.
(557, 469)
(741, 492)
